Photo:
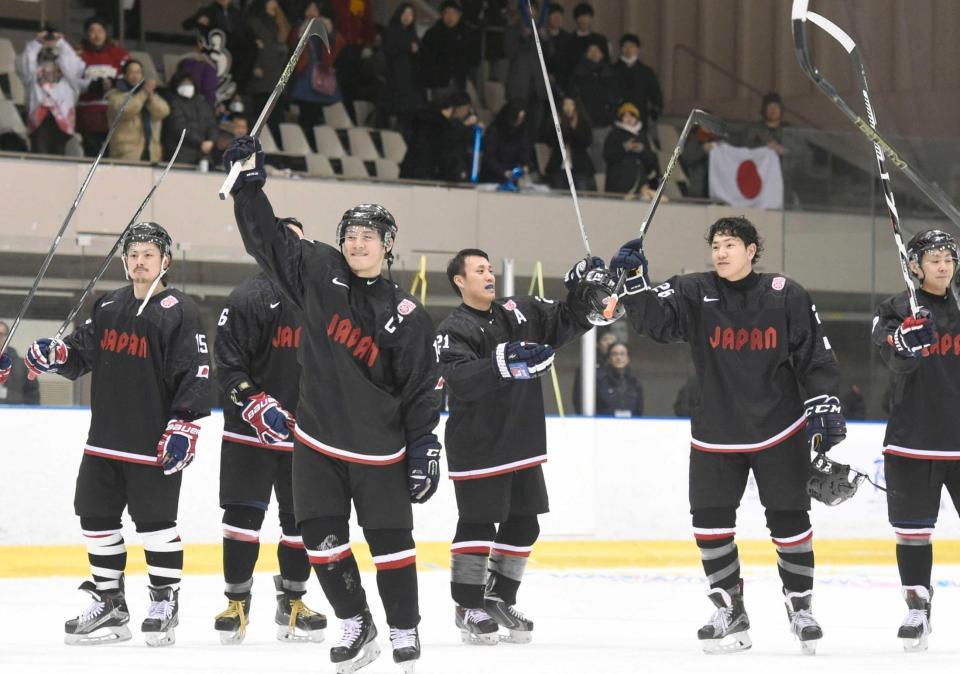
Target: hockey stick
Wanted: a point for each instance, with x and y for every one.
(696, 117)
(109, 257)
(66, 220)
(315, 27)
(556, 126)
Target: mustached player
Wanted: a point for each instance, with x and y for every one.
(491, 352)
(922, 441)
(760, 352)
(148, 358)
(256, 356)
(368, 405)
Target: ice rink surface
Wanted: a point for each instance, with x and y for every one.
(611, 620)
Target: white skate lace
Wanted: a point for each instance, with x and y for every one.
(917, 618)
(92, 612)
(476, 616)
(161, 610)
(403, 638)
(516, 614)
(350, 632)
(721, 620)
(801, 619)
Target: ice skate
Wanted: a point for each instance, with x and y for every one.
(296, 622)
(916, 626)
(232, 623)
(802, 623)
(476, 626)
(159, 627)
(103, 621)
(358, 643)
(520, 627)
(406, 648)
(727, 631)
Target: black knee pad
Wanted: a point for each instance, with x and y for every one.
(100, 523)
(329, 532)
(785, 523)
(243, 517)
(519, 530)
(714, 518)
(387, 541)
(288, 524)
(147, 527)
(471, 531)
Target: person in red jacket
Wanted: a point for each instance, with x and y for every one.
(104, 61)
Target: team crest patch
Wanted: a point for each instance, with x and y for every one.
(168, 302)
(203, 372)
(406, 307)
(510, 305)
(778, 283)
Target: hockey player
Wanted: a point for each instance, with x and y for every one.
(368, 406)
(491, 353)
(759, 351)
(256, 356)
(150, 384)
(922, 441)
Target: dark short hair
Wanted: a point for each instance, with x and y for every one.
(95, 19)
(555, 8)
(457, 265)
(739, 227)
(581, 9)
(615, 344)
(629, 37)
(130, 62)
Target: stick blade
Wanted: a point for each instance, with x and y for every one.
(317, 28)
(712, 123)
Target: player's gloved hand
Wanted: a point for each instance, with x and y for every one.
(245, 149)
(423, 467)
(576, 273)
(46, 355)
(826, 426)
(522, 360)
(177, 445)
(631, 263)
(5, 366)
(914, 336)
(271, 422)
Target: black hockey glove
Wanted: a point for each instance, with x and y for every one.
(245, 149)
(578, 271)
(632, 263)
(914, 336)
(826, 426)
(423, 467)
(522, 360)
(832, 482)
(5, 367)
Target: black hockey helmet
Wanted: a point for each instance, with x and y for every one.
(932, 239)
(148, 232)
(831, 482)
(595, 290)
(373, 216)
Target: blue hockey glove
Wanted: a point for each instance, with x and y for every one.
(46, 355)
(631, 263)
(423, 467)
(5, 366)
(177, 445)
(914, 336)
(579, 270)
(522, 360)
(246, 149)
(265, 415)
(826, 426)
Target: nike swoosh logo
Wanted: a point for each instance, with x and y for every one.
(370, 283)
(106, 303)
(338, 282)
(275, 305)
(710, 299)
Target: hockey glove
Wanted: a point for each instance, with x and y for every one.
(914, 336)
(522, 360)
(271, 422)
(423, 468)
(245, 149)
(578, 271)
(832, 482)
(826, 426)
(46, 355)
(5, 366)
(631, 263)
(177, 445)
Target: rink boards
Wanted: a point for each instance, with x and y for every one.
(618, 497)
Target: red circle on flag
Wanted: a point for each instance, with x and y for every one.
(748, 179)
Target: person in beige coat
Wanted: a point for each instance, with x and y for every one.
(141, 118)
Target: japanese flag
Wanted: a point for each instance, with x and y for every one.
(747, 177)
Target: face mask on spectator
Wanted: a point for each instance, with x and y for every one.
(187, 90)
(236, 107)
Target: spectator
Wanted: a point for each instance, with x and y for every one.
(104, 60)
(52, 75)
(769, 130)
(638, 83)
(631, 165)
(578, 134)
(354, 21)
(202, 70)
(584, 36)
(507, 145)
(239, 126)
(19, 389)
(223, 15)
(403, 95)
(595, 85)
(558, 48)
(688, 397)
(619, 392)
(315, 82)
(695, 161)
(524, 78)
(444, 58)
(270, 30)
(190, 111)
(441, 143)
(854, 406)
(604, 342)
(137, 137)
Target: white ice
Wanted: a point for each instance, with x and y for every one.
(616, 620)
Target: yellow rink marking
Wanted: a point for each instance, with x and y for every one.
(206, 558)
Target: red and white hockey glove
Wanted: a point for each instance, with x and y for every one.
(5, 366)
(914, 336)
(177, 446)
(265, 415)
(46, 355)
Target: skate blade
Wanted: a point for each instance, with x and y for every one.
(408, 667)
(228, 638)
(517, 637)
(284, 633)
(369, 653)
(915, 645)
(732, 643)
(472, 639)
(105, 635)
(809, 647)
(160, 639)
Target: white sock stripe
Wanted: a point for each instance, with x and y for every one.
(163, 572)
(102, 537)
(291, 539)
(394, 556)
(793, 539)
(106, 550)
(512, 548)
(173, 546)
(104, 572)
(471, 544)
(914, 532)
(321, 555)
(164, 535)
(87, 532)
(713, 532)
(230, 529)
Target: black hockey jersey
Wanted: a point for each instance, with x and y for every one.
(755, 344)
(924, 421)
(258, 335)
(146, 370)
(497, 426)
(369, 380)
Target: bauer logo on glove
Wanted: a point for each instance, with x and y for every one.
(177, 446)
(523, 360)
